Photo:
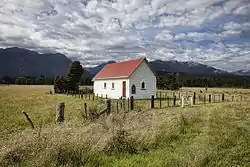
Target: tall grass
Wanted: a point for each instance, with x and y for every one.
(209, 135)
(78, 143)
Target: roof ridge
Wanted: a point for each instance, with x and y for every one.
(123, 61)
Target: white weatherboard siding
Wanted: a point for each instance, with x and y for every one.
(111, 93)
(143, 74)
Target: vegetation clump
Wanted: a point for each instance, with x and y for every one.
(70, 82)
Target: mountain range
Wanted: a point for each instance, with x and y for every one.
(189, 68)
(160, 66)
(242, 72)
(16, 62)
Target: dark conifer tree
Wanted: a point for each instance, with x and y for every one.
(74, 75)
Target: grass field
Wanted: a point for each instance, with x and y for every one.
(215, 134)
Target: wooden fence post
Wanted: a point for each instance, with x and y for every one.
(108, 106)
(121, 103)
(223, 97)
(153, 102)
(132, 103)
(204, 98)
(124, 104)
(209, 98)
(29, 120)
(128, 104)
(117, 106)
(194, 97)
(160, 99)
(174, 102)
(60, 112)
(85, 111)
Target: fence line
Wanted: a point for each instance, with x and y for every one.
(160, 101)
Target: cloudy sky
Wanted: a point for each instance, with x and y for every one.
(213, 32)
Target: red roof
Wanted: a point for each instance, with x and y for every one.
(121, 69)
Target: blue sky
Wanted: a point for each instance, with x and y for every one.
(212, 32)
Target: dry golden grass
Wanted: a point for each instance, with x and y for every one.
(204, 135)
(38, 103)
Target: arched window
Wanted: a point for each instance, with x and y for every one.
(143, 85)
(133, 89)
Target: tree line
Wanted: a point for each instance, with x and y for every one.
(27, 80)
(174, 81)
(42, 80)
(216, 81)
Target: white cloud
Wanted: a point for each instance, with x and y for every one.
(242, 10)
(164, 35)
(92, 30)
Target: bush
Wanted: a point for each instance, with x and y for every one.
(60, 84)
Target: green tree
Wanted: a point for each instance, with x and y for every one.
(60, 84)
(169, 81)
(74, 75)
